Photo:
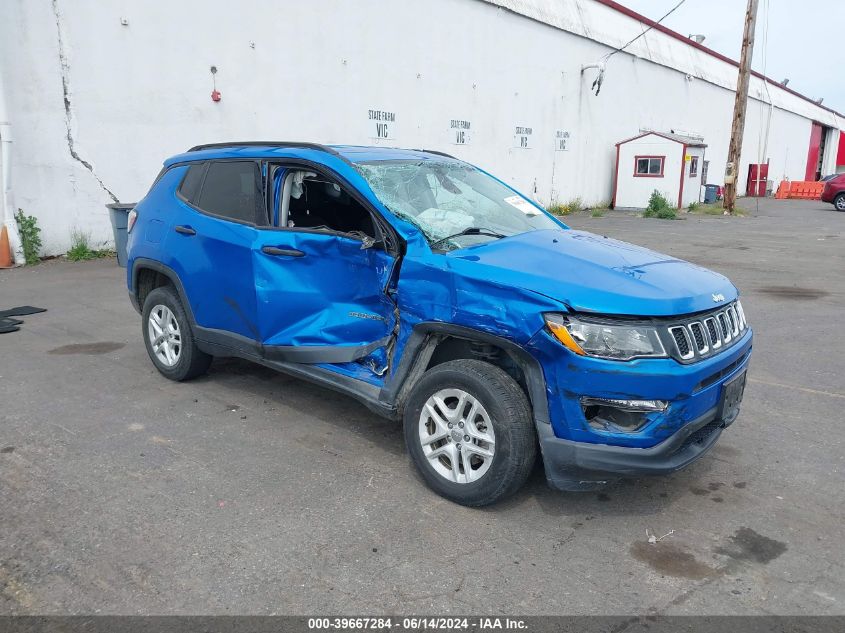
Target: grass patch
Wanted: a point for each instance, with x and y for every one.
(30, 236)
(566, 208)
(659, 207)
(81, 250)
(661, 214)
(600, 208)
(714, 208)
(709, 209)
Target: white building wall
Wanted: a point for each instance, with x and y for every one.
(139, 92)
(632, 191)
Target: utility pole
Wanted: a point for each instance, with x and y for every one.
(740, 105)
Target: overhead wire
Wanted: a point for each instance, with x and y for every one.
(602, 63)
(651, 26)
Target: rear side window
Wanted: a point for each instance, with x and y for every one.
(231, 190)
(191, 182)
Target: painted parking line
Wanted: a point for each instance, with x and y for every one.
(818, 392)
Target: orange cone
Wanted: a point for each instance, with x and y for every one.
(5, 249)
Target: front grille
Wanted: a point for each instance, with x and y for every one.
(698, 335)
(734, 318)
(681, 340)
(711, 330)
(713, 378)
(702, 336)
(724, 326)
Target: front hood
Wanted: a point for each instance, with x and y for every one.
(591, 273)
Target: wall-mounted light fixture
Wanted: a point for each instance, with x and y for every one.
(215, 93)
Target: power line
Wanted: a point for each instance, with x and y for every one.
(601, 65)
(651, 26)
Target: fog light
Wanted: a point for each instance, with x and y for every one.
(608, 414)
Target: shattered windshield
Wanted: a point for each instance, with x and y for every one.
(454, 204)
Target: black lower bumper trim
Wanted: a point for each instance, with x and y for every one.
(583, 466)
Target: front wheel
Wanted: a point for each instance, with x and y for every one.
(839, 202)
(470, 433)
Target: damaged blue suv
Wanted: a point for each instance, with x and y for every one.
(437, 295)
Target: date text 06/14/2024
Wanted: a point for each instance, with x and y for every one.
(417, 623)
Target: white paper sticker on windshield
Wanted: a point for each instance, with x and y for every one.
(523, 205)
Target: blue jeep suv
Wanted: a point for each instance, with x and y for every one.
(438, 295)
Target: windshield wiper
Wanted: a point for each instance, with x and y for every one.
(473, 230)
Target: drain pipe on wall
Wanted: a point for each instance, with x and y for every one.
(7, 206)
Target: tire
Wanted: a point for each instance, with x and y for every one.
(839, 202)
(504, 408)
(184, 360)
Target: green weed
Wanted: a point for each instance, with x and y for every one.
(566, 208)
(30, 236)
(659, 207)
(81, 250)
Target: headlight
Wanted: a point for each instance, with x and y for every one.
(605, 340)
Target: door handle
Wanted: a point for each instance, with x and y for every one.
(185, 230)
(288, 252)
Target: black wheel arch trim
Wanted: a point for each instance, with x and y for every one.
(143, 262)
(421, 344)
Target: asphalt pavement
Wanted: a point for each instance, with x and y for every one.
(247, 491)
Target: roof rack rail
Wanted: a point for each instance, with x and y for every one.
(317, 146)
(434, 151)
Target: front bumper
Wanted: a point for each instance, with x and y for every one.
(581, 466)
(578, 456)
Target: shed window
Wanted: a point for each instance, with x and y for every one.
(649, 166)
(693, 166)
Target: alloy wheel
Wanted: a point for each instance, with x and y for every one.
(457, 436)
(165, 336)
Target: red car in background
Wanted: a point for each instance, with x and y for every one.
(834, 192)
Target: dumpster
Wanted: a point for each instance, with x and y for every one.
(711, 193)
(119, 214)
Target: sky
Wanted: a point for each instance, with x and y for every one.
(805, 43)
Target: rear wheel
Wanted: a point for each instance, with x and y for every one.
(839, 202)
(168, 337)
(470, 433)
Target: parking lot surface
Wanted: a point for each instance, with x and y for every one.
(247, 491)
